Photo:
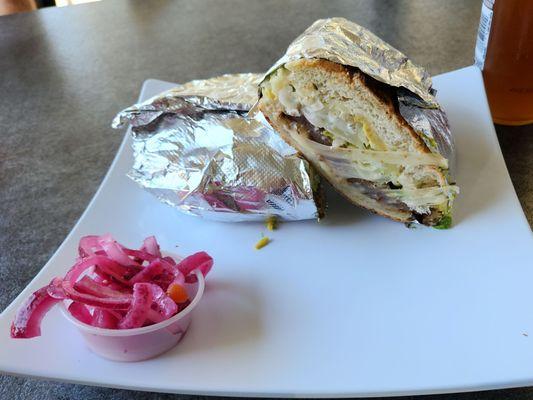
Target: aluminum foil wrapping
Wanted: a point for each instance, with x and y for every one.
(196, 149)
(431, 123)
(344, 42)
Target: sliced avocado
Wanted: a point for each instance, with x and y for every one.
(328, 134)
(444, 223)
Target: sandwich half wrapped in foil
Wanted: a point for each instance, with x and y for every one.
(331, 95)
(344, 42)
(196, 149)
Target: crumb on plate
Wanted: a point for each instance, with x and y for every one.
(271, 223)
(262, 242)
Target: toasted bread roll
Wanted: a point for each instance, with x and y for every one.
(349, 127)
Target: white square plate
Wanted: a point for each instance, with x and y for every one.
(354, 306)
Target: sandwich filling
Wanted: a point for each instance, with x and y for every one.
(348, 125)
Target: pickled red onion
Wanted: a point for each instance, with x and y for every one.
(80, 312)
(200, 260)
(103, 319)
(141, 304)
(90, 286)
(113, 287)
(151, 246)
(162, 304)
(119, 303)
(27, 322)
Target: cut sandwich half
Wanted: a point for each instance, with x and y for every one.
(349, 127)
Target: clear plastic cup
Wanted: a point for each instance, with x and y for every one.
(140, 343)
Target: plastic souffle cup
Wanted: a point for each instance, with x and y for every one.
(140, 343)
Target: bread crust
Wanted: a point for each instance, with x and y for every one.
(383, 93)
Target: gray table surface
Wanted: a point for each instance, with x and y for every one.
(64, 73)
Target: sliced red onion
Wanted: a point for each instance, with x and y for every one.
(118, 314)
(104, 319)
(121, 303)
(169, 260)
(27, 321)
(151, 246)
(140, 306)
(117, 286)
(148, 273)
(115, 251)
(153, 316)
(80, 312)
(179, 279)
(201, 261)
(102, 279)
(79, 268)
(162, 304)
(171, 275)
(88, 246)
(55, 289)
(89, 286)
(140, 255)
(107, 280)
(163, 281)
(120, 272)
